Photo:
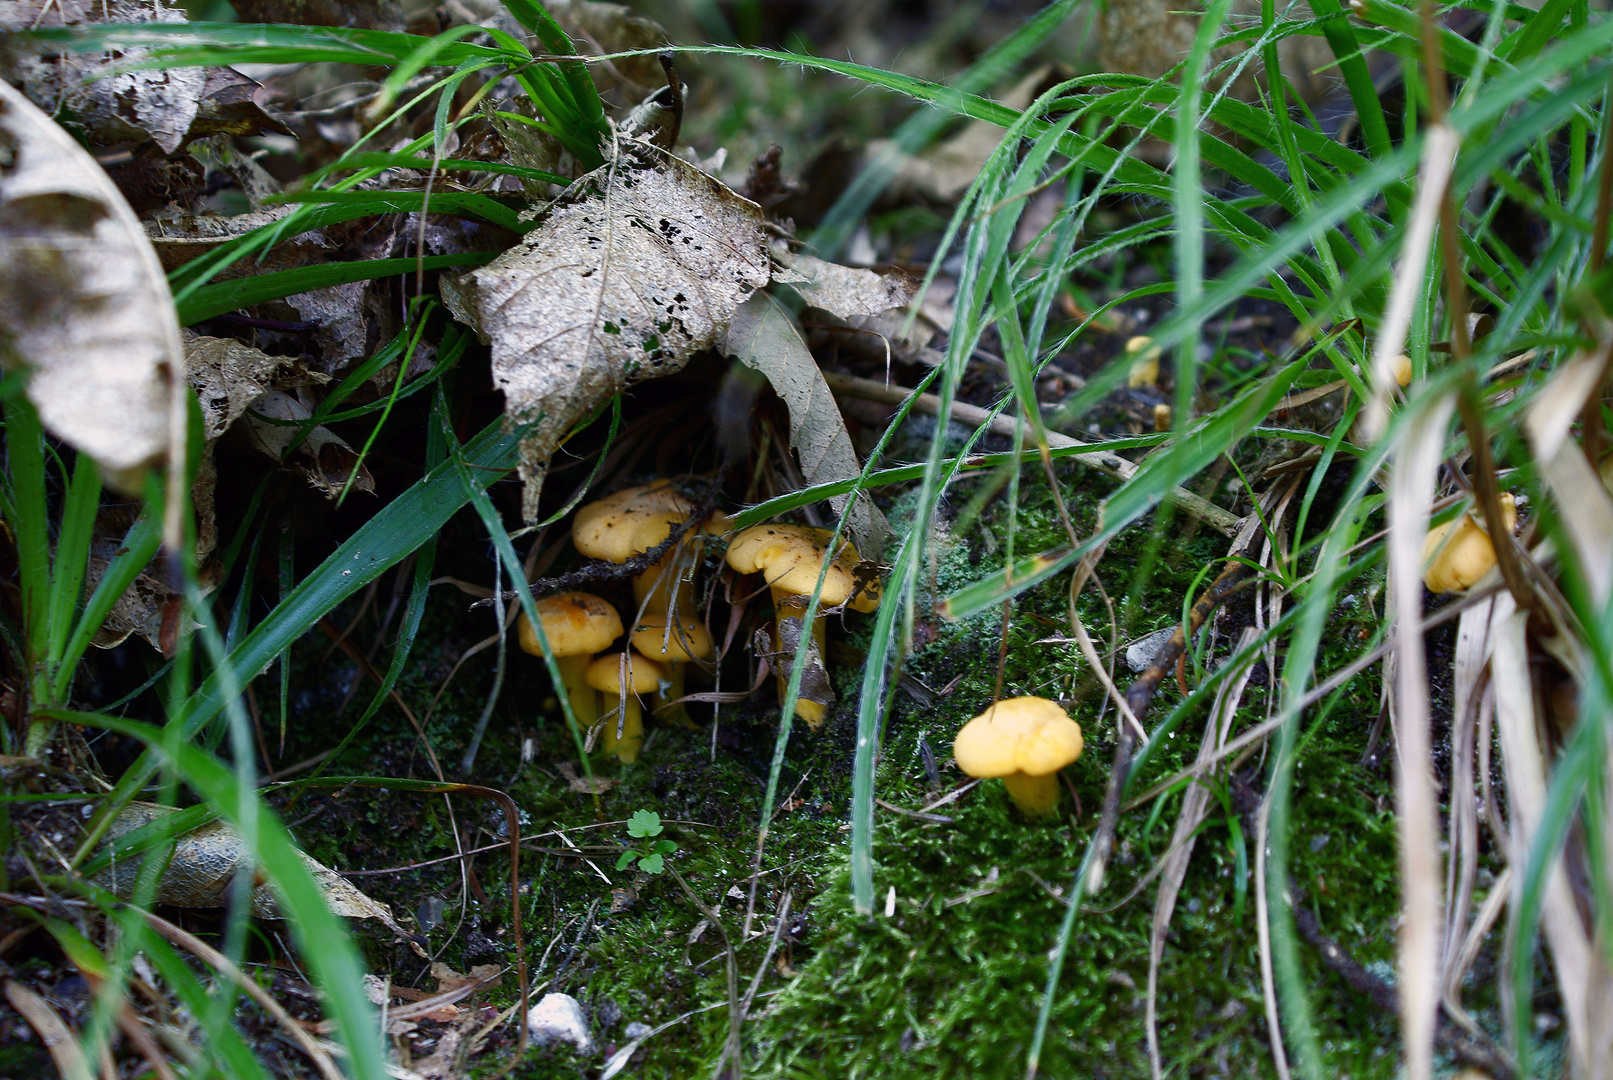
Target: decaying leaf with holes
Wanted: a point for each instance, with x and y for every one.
(639, 266)
(83, 301)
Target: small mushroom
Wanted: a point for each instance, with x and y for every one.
(622, 677)
(790, 558)
(1400, 366)
(674, 643)
(1144, 356)
(578, 625)
(1025, 741)
(1460, 552)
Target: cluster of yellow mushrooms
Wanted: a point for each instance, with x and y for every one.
(667, 631)
(1024, 741)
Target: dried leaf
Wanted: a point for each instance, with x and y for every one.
(149, 607)
(232, 104)
(206, 861)
(841, 290)
(333, 462)
(1582, 502)
(586, 785)
(639, 266)
(83, 299)
(112, 105)
(228, 376)
(764, 337)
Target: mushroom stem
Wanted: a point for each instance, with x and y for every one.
(1036, 796)
(621, 677)
(584, 699)
(630, 722)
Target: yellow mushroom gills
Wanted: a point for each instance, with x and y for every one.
(1025, 741)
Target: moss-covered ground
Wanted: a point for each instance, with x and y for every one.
(946, 977)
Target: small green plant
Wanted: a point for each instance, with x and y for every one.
(641, 826)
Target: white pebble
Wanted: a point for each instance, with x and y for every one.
(558, 1018)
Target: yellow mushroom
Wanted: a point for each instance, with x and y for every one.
(578, 625)
(789, 558)
(1025, 741)
(1400, 366)
(674, 643)
(1459, 552)
(621, 677)
(631, 522)
(1144, 356)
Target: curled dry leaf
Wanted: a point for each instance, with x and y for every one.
(228, 376)
(331, 462)
(205, 862)
(83, 300)
(764, 337)
(640, 265)
(842, 290)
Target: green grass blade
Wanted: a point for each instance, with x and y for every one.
(71, 559)
(218, 297)
(204, 44)
(501, 212)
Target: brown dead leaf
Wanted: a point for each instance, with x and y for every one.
(228, 376)
(639, 266)
(114, 106)
(83, 300)
(589, 785)
(232, 104)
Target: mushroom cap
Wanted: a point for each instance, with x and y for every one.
(1400, 365)
(790, 557)
(576, 623)
(1458, 553)
(1029, 735)
(606, 673)
(689, 640)
(631, 521)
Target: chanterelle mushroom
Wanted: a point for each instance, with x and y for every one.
(621, 677)
(674, 643)
(789, 558)
(578, 625)
(1460, 552)
(1025, 741)
(631, 522)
